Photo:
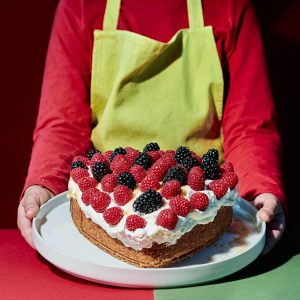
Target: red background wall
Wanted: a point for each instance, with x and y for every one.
(24, 32)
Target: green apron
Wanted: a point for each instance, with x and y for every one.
(143, 90)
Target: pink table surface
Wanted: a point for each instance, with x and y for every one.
(24, 274)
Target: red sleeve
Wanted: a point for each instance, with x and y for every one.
(251, 139)
(64, 121)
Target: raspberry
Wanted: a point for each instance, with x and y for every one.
(198, 158)
(226, 167)
(170, 189)
(99, 158)
(147, 202)
(196, 181)
(108, 183)
(122, 194)
(134, 222)
(155, 155)
(113, 215)
(151, 147)
(198, 171)
(131, 154)
(91, 153)
(78, 173)
(117, 151)
(87, 194)
(100, 201)
(138, 172)
(150, 182)
(127, 179)
(199, 201)
(230, 179)
(158, 170)
(84, 159)
(219, 188)
(180, 205)
(85, 183)
(119, 164)
(167, 218)
(169, 160)
(107, 154)
(78, 164)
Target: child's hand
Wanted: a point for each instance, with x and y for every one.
(29, 207)
(270, 211)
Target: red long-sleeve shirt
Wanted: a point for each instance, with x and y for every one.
(251, 140)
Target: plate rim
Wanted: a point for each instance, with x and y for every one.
(36, 234)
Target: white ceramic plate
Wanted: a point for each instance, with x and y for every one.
(57, 240)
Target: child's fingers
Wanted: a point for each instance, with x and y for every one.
(24, 225)
(31, 205)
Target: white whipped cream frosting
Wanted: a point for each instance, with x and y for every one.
(152, 233)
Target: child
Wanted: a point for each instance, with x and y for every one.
(159, 77)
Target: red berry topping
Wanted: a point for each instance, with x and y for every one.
(180, 206)
(85, 183)
(219, 188)
(197, 170)
(78, 173)
(170, 189)
(107, 154)
(150, 182)
(226, 167)
(119, 164)
(87, 194)
(108, 183)
(154, 154)
(199, 201)
(131, 154)
(158, 170)
(196, 181)
(100, 201)
(98, 157)
(169, 159)
(84, 159)
(122, 194)
(198, 158)
(113, 215)
(230, 179)
(134, 222)
(138, 172)
(167, 218)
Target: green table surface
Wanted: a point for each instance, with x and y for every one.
(275, 276)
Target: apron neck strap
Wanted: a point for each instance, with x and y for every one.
(195, 14)
(111, 16)
(112, 11)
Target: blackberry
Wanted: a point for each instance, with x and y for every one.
(147, 202)
(181, 153)
(91, 153)
(151, 147)
(143, 160)
(177, 173)
(190, 162)
(210, 168)
(213, 153)
(127, 179)
(117, 151)
(99, 170)
(78, 164)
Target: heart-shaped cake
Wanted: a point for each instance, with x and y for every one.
(152, 208)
